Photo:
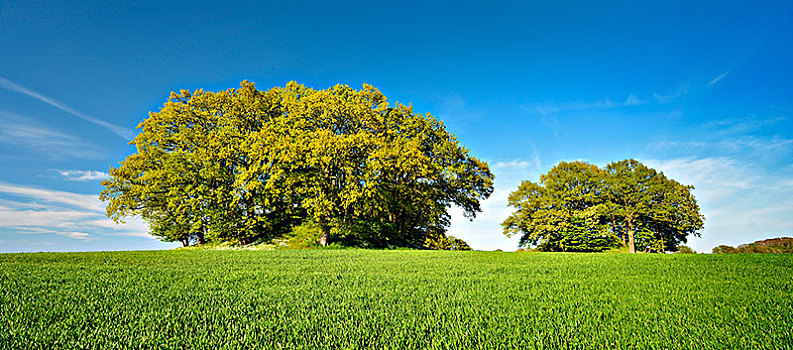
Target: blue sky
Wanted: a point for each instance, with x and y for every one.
(700, 90)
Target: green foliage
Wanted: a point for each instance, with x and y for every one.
(354, 299)
(563, 212)
(618, 250)
(441, 241)
(648, 209)
(684, 249)
(304, 236)
(458, 244)
(368, 234)
(247, 165)
(580, 207)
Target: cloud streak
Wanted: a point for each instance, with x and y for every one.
(81, 201)
(678, 92)
(572, 106)
(452, 108)
(125, 133)
(17, 131)
(761, 147)
(718, 78)
(633, 100)
(82, 175)
(743, 125)
(515, 163)
(37, 211)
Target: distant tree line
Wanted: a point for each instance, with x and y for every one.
(579, 207)
(247, 165)
(782, 245)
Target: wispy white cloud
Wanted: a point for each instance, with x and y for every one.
(737, 136)
(21, 132)
(50, 217)
(532, 162)
(549, 111)
(41, 195)
(82, 175)
(453, 108)
(125, 133)
(512, 164)
(76, 235)
(673, 94)
(131, 227)
(718, 78)
(452, 102)
(633, 100)
(724, 173)
(40, 230)
(549, 108)
(764, 144)
(6, 205)
(743, 125)
(660, 145)
(34, 210)
(556, 127)
(759, 146)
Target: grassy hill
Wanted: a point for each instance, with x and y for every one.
(337, 299)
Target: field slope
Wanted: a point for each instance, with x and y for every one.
(330, 299)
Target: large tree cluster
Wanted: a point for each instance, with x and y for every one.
(578, 206)
(245, 165)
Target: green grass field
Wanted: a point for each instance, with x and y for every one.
(337, 299)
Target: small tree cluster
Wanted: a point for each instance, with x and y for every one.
(684, 249)
(580, 207)
(245, 165)
(445, 242)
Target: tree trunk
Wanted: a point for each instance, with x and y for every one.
(631, 244)
(200, 237)
(185, 242)
(323, 237)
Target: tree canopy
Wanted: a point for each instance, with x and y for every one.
(246, 165)
(578, 206)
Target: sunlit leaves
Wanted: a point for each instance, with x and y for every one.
(563, 212)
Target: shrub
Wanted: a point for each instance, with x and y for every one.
(304, 236)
